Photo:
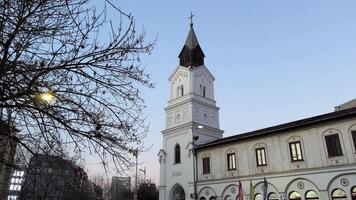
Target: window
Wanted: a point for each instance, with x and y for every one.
(295, 149)
(273, 196)
(228, 197)
(338, 194)
(177, 154)
(261, 156)
(204, 91)
(353, 133)
(206, 165)
(258, 197)
(311, 195)
(333, 145)
(353, 193)
(231, 161)
(294, 196)
(181, 90)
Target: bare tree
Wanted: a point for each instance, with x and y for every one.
(55, 48)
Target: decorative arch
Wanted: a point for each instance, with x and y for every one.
(351, 131)
(177, 192)
(270, 188)
(207, 193)
(259, 144)
(205, 155)
(230, 150)
(231, 192)
(301, 186)
(342, 181)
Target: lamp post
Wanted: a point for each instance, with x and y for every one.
(195, 138)
(135, 153)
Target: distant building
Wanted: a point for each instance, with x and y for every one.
(147, 190)
(52, 178)
(96, 192)
(120, 186)
(15, 187)
(7, 152)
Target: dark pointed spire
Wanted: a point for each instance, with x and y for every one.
(191, 55)
(192, 41)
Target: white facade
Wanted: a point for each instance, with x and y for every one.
(184, 110)
(309, 166)
(317, 171)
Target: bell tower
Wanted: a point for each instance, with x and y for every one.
(191, 103)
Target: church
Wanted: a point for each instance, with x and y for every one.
(312, 158)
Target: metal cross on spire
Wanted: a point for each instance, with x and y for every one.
(191, 19)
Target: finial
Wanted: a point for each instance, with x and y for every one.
(191, 19)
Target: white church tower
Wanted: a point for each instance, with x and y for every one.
(191, 110)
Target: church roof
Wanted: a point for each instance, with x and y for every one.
(337, 115)
(192, 41)
(191, 54)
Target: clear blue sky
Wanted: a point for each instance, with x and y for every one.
(274, 61)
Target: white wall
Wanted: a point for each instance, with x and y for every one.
(280, 170)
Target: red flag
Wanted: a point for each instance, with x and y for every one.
(241, 194)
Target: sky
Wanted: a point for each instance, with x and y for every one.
(274, 61)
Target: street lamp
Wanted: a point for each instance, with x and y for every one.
(144, 173)
(46, 96)
(195, 170)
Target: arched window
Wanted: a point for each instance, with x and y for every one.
(231, 161)
(204, 91)
(202, 198)
(181, 90)
(338, 194)
(353, 193)
(212, 198)
(258, 197)
(177, 154)
(311, 195)
(294, 196)
(295, 150)
(272, 196)
(228, 197)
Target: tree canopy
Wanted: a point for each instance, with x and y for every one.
(66, 87)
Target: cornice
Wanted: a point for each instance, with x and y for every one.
(189, 125)
(289, 173)
(191, 100)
